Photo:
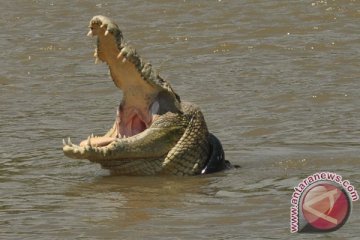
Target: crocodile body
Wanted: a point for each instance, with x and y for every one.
(154, 131)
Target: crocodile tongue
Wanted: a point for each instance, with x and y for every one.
(131, 120)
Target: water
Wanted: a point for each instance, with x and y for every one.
(276, 80)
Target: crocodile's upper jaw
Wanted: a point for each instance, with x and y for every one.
(142, 100)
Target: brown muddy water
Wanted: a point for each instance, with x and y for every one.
(278, 82)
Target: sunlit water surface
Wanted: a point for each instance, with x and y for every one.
(277, 82)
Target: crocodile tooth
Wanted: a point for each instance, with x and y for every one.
(89, 141)
(96, 60)
(92, 135)
(64, 143)
(106, 33)
(69, 141)
(89, 34)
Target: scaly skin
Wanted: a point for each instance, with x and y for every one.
(154, 132)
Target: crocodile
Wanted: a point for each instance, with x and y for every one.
(155, 132)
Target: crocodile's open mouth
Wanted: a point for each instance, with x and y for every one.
(143, 101)
(138, 106)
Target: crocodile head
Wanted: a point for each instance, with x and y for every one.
(145, 94)
(154, 132)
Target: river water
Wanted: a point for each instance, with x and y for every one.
(277, 82)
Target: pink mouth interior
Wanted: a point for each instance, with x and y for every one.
(137, 125)
(131, 121)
